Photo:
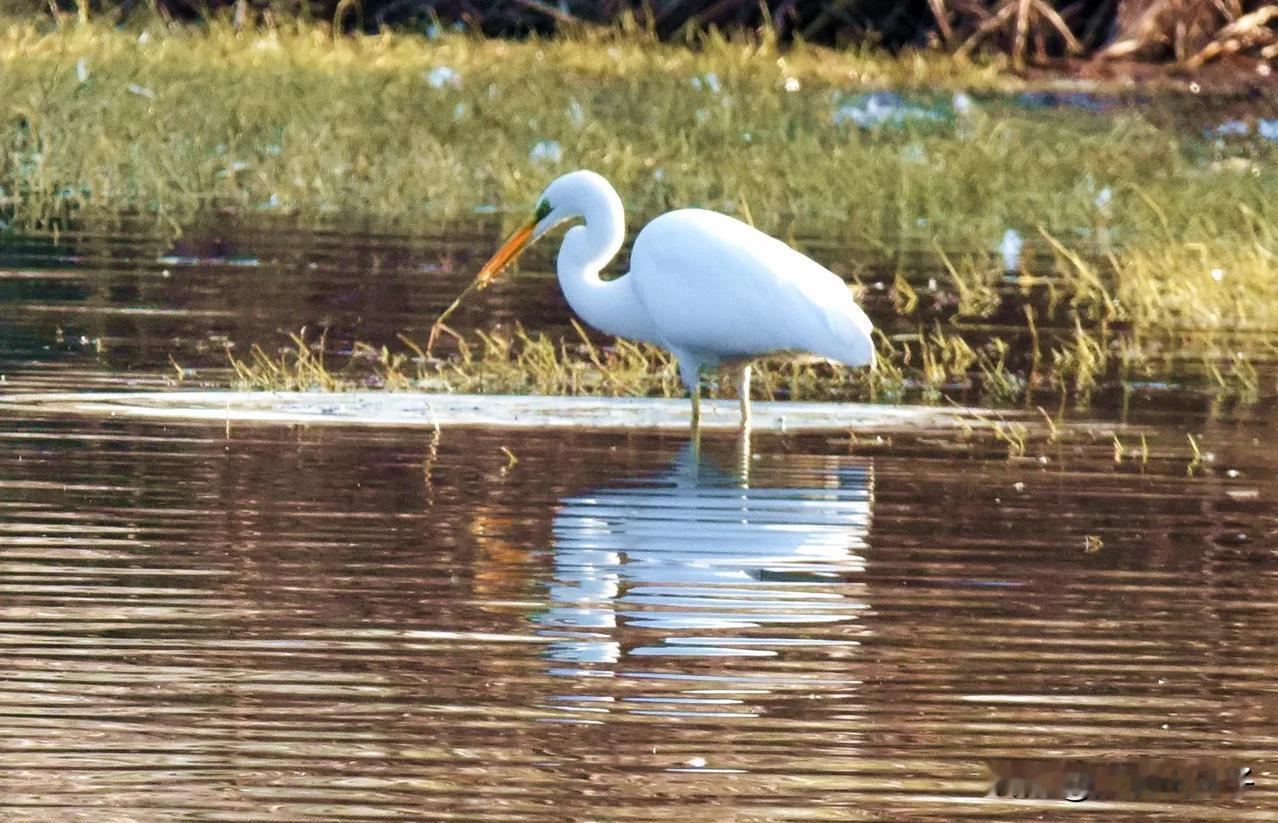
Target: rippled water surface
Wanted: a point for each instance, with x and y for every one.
(277, 623)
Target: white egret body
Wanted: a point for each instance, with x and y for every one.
(710, 289)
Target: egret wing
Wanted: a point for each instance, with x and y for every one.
(718, 287)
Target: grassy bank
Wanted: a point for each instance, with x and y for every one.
(1161, 240)
(415, 130)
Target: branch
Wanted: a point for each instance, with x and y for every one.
(1139, 32)
(1058, 23)
(988, 25)
(558, 15)
(1247, 29)
(942, 15)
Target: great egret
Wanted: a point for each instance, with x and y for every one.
(707, 287)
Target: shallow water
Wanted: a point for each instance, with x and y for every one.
(129, 299)
(203, 622)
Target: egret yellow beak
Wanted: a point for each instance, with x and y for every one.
(506, 255)
(509, 250)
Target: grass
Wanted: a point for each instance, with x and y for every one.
(409, 129)
(416, 131)
(1152, 243)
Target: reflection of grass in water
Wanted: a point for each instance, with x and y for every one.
(415, 131)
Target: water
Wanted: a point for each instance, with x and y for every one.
(277, 623)
(123, 307)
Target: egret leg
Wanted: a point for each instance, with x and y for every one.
(690, 373)
(743, 392)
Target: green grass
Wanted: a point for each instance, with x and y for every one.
(295, 121)
(96, 121)
(290, 120)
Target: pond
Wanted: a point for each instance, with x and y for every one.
(255, 622)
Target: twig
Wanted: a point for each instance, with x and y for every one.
(1140, 33)
(830, 11)
(1022, 32)
(559, 15)
(1058, 23)
(1100, 14)
(942, 15)
(340, 12)
(784, 12)
(1241, 32)
(988, 25)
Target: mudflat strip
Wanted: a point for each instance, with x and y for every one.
(421, 410)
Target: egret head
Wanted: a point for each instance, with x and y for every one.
(576, 194)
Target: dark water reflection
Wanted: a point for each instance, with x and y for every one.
(352, 624)
(106, 309)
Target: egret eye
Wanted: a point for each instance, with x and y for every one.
(543, 209)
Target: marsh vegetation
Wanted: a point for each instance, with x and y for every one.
(1123, 236)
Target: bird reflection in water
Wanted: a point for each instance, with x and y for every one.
(699, 560)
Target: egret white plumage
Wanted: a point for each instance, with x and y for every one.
(709, 288)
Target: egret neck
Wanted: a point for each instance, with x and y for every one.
(610, 306)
